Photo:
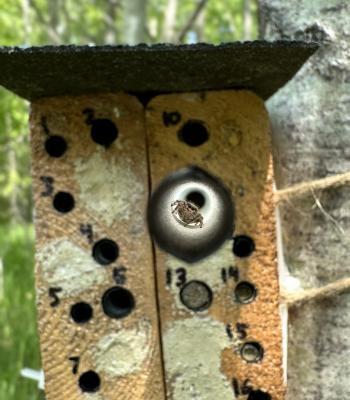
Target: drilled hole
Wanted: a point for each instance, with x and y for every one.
(89, 382)
(103, 132)
(245, 292)
(243, 246)
(196, 198)
(55, 146)
(105, 251)
(196, 295)
(63, 202)
(81, 312)
(193, 133)
(258, 395)
(118, 302)
(252, 352)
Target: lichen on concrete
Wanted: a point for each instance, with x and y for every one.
(193, 359)
(123, 352)
(64, 264)
(113, 196)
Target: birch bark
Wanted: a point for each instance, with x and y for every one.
(311, 134)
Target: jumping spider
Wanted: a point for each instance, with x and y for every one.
(187, 212)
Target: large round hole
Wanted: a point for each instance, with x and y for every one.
(193, 133)
(89, 382)
(81, 312)
(63, 202)
(105, 251)
(258, 395)
(118, 302)
(252, 352)
(243, 246)
(245, 292)
(196, 295)
(55, 146)
(103, 132)
(196, 198)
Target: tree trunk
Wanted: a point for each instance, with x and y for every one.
(247, 20)
(135, 21)
(311, 134)
(170, 22)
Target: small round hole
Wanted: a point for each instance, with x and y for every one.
(118, 302)
(252, 352)
(89, 382)
(258, 395)
(193, 133)
(63, 202)
(55, 146)
(105, 251)
(81, 312)
(103, 132)
(196, 198)
(196, 295)
(243, 246)
(245, 292)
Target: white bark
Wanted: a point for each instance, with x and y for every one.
(135, 21)
(311, 133)
(170, 21)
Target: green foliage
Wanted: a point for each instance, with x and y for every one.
(18, 334)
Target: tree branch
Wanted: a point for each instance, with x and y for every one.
(192, 20)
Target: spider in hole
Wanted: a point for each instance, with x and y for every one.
(187, 212)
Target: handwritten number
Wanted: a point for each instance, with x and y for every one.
(119, 275)
(44, 125)
(243, 389)
(75, 362)
(48, 182)
(86, 230)
(181, 277)
(230, 273)
(171, 118)
(53, 293)
(241, 330)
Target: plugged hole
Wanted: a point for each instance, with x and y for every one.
(103, 132)
(196, 295)
(55, 146)
(118, 302)
(63, 202)
(81, 312)
(258, 395)
(252, 352)
(243, 246)
(245, 292)
(193, 133)
(105, 251)
(89, 382)
(196, 198)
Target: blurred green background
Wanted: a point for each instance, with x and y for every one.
(38, 22)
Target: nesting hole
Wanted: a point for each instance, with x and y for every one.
(196, 198)
(89, 382)
(63, 202)
(245, 292)
(252, 352)
(55, 146)
(105, 251)
(196, 295)
(81, 312)
(193, 133)
(103, 132)
(118, 302)
(243, 246)
(258, 395)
